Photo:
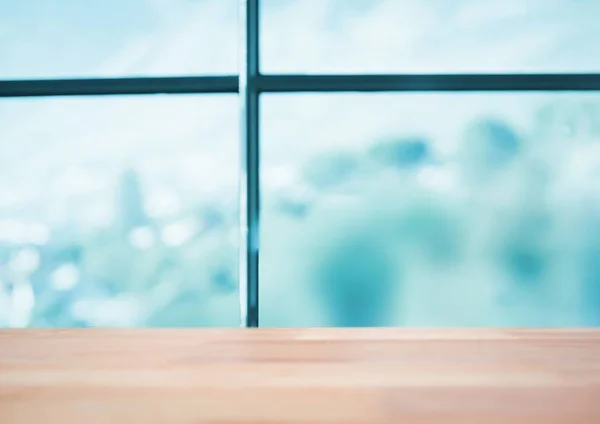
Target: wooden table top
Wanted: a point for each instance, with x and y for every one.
(300, 376)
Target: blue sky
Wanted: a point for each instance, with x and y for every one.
(111, 37)
(40, 38)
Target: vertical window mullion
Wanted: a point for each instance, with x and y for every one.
(249, 170)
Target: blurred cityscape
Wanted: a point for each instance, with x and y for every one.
(502, 229)
(499, 229)
(134, 271)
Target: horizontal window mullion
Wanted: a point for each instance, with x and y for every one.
(301, 83)
(424, 82)
(119, 86)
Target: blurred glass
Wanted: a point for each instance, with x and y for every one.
(433, 36)
(478, 209)
(119, 211)
(74, 38)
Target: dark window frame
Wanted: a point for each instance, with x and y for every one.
(251, 83)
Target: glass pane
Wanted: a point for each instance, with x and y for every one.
(431, 209)
(434, 36)
(119, 211)
(74, 38)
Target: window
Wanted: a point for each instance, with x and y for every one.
(477, 90)
(119, 211)
(429, 209)
(433, 36)
(114, 38)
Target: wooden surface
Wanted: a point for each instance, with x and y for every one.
(299, 376)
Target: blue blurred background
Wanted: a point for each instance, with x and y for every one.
(432, 209)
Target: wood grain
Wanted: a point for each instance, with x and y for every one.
(300, 376)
